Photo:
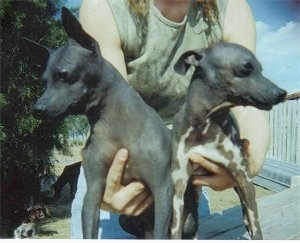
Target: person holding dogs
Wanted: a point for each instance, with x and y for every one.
(143, 39)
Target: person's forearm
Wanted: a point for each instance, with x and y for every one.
(254, 127)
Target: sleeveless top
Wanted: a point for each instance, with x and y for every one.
(152, 47)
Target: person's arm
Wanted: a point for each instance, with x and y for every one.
(97, 20)
(239, 28)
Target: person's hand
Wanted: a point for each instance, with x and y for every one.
(131, 199)
(218, 179)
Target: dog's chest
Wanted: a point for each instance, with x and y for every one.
(216, 142)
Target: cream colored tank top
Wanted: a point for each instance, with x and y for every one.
(150, 60)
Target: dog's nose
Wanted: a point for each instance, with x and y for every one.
(30, 233)
(281, 95)
(39, 109)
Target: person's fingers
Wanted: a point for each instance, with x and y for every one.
(128, 200)
(115, 173)
(206, 164)
(218, 178)
(135, 209)
(128, 193)
(205, 180)
(117, 200)
(138, 204)
(107, 207)
(131, 199)
(143, 206)
(217, 183)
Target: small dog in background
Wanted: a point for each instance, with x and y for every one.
(25, 230)
(31, 218)
(69, 175)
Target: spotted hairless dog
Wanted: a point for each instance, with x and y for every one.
(225, 75)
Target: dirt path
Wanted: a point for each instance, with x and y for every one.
(58, 226)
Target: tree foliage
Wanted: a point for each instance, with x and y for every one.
(26, 140)
(77, 126)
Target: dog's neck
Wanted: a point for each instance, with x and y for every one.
(103, 94)
(202, 103)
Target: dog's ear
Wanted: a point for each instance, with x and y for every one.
(47, 211)
(36, 51)
(187, 59)
(75, 31)
(29, 209)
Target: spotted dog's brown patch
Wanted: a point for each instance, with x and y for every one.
(228, 154)
(175, 218)
(197, 137)
(180, 187)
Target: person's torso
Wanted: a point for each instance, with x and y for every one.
(150, 57)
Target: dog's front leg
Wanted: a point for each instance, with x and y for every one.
(96, 178)
(180, 177)
(163, 209)
(177, 219)
(246, 192)
(190, 212)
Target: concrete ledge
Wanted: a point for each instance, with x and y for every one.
(277, 175)
(278, 214)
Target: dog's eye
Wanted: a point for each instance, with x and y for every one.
(62, 75)
(71, 80)
(245, 70)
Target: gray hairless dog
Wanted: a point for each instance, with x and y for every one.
(225, 75)
(80, 81)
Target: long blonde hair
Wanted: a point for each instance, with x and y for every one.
(210, 10)
(139, 10)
